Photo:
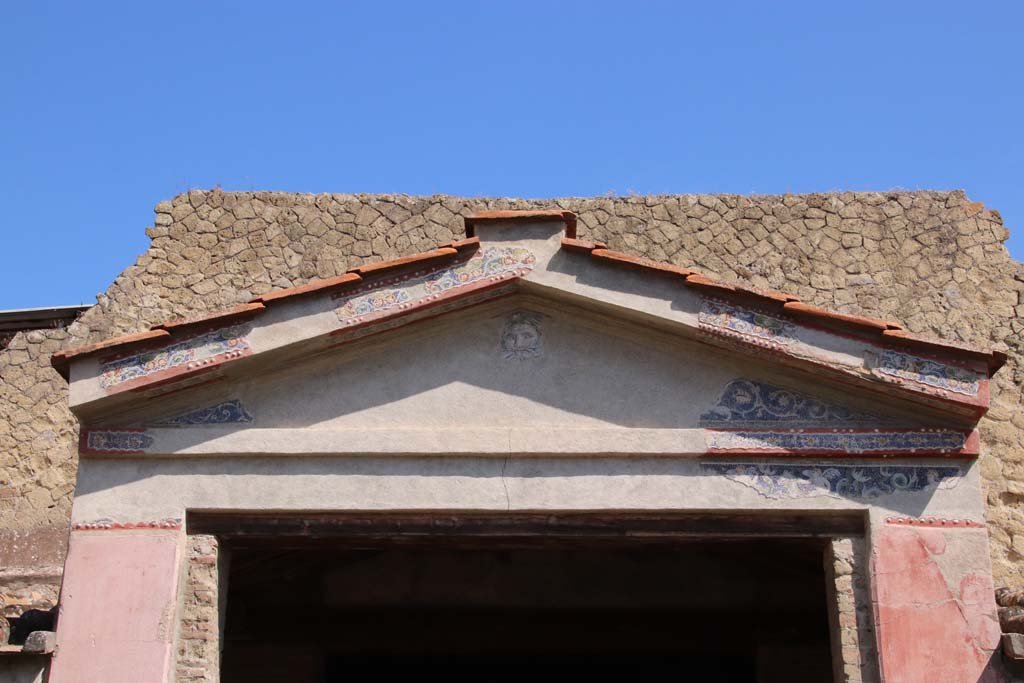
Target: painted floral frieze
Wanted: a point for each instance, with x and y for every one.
(735, 321)
(835, 481)
(440, 309)
(227, 340)
(485, 264)
(903, 366)
(747, 402)
(839, 441)
(226, 412)
(117, 441)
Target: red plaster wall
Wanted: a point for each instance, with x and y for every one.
(117, 607)
(934, 606)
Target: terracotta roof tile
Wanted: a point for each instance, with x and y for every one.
(581, 246)
(310, 288)
(63, 357)
(880, 331)
(463, 244)
(714, 286)
(636, 262)
(256, 305)
(531, 216)
(416, 259)
(242, 310)
(801, 309)
(771, 294)
(994, 359)
(885, 331)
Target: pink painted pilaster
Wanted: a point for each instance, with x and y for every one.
(117, 607)
(934, 604)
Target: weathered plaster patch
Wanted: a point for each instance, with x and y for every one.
(839, 441)
(935, 606)
(192, 353)
(835, 481)
(897, 366)
(749, 402)
(521, 336)
(226, 412)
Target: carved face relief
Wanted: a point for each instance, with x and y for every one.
(521, 336)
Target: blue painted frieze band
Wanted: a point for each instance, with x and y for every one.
(903, 366)
(747, 402)
(835, 481)
(734, 321)
(227, 412)
(839, 441)
(114, 441)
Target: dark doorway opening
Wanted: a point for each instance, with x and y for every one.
(495, 609)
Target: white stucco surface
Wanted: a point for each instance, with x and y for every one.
(133, 489)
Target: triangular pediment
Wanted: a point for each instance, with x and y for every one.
(526, 330)
(512, 374)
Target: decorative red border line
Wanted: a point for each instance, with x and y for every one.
(179, 372)
(164, 524)
(934, 522)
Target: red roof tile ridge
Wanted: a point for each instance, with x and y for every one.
(463, 244)
(799, 308)
(887, 330)
(768, 295)
(521, 215)
(61, 358)
(378, 266)
(639, 262)
(310, 287)
(258, 304)
(583, 246)
(704, 282)
(995, 358)
(238, 311)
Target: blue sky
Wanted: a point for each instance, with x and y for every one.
(107, 108)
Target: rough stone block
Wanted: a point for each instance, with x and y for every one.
(1013, 646)
(40, 642)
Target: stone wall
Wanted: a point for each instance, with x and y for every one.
(198, 642)
(38, 458)
(933, 260)
(854, 655)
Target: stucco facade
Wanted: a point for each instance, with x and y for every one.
(933, 261)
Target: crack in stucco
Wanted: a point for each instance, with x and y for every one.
(753, 487)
